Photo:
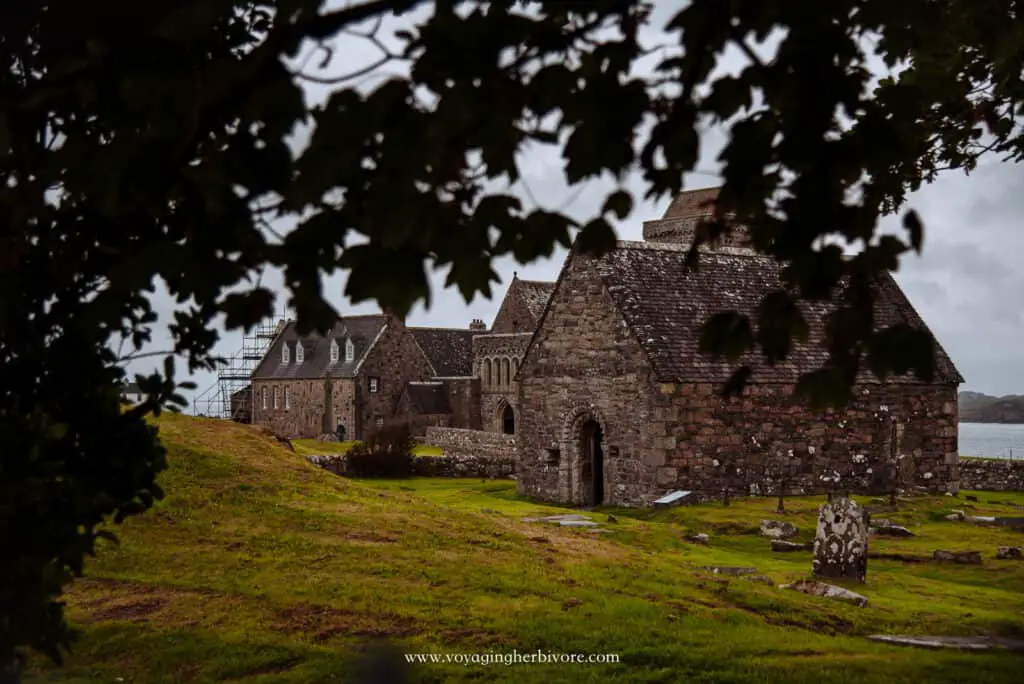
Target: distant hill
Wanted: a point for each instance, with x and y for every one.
(976, 407)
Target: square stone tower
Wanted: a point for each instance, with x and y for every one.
(679, 224)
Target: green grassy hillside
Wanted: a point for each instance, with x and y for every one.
(259, 567)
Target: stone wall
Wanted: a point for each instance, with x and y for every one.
(496, 359)
(586, 365)
(681, 230)
(466, 453)
(304, 416)
(393, 361)
(700, 441)
(472, 453)
(464, 396)
(992, 474)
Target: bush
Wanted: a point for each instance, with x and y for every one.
(387, 453)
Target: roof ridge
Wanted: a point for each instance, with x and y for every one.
(434, 327)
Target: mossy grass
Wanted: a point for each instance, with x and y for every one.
(259, 567)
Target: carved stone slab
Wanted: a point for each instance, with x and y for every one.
(841, 540)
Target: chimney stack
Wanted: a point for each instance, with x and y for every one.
(478, 325)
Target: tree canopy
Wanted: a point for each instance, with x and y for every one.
(145, 140)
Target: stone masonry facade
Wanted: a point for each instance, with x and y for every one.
(992, 474)
(392, 362)
(394, 373)
(594, 388)
(615, 356)
(302, 417)
(496, 362)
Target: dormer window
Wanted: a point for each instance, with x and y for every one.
(334, 351)
(300, 353)
(350, 351)
(285, 353)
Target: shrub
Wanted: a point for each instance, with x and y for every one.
(387, 453)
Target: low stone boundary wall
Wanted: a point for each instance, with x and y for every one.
(466, 453)
(470, 453)
(991, 474)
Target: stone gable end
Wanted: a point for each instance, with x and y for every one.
(583, 363)
(393, 361)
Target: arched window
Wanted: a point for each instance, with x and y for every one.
(300, 353)
(515, 368)
(350, 351)
(487, 369)
(508, 420)
(334, 351)
(287, 399)
(275, 397)
(285, 354)
(263, 395)
(506, 367)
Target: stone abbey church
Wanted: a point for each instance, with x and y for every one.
(598, 380)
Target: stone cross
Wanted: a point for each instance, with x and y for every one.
(841, 542)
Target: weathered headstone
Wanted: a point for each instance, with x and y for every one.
(778, 529)
(1009, 553)
(783, 545)
(891, 530)
(841, 540)
(675, 498)
(966, 557)
(828, 590)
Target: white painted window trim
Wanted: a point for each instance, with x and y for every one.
(350, 351)
(285, 353)
(263, 394)
(287, 399)
(374, 385)
(334, 351)
(275, 398)
(300, 353)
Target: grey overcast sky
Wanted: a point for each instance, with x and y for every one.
(964, 284)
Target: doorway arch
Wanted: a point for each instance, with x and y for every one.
(508, 420)
(592, 478)
(584, 474)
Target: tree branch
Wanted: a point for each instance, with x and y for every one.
(136, 357)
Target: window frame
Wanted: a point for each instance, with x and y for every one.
(373, 384)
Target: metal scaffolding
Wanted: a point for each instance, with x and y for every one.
(231, 395)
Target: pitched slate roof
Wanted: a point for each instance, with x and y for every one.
(428, 398)
(363, 330)
(665, 306)
(449, 350)
(535, 294)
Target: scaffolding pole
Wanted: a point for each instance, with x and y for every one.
(230, 396)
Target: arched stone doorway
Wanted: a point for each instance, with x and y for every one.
(580, 443)
(508, 420)
(591, 470)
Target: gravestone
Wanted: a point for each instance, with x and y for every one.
(841, 541)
